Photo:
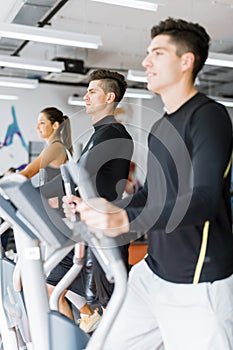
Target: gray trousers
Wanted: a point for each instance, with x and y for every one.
(157, 315)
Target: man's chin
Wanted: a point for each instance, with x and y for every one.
(150, 88)
(153, 89)
(88, 110)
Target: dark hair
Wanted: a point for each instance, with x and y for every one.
(64, 131)
(188, 37)
(10, 170)
(111, 82)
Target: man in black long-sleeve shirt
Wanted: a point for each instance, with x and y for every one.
(107, 157)
(181, 296)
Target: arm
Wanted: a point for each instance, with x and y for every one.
(211, 136)
(99, 214)
(32, 169)
(53, 155)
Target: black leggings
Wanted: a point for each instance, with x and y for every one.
(103, 287)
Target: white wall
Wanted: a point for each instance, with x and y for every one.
(27, 108)
(150, 111)
(139, 116)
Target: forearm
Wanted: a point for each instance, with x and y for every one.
(189, 209)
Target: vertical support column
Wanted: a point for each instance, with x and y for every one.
(34, 288)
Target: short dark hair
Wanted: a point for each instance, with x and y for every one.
(53, 114)
(188, 37)
(111, 82)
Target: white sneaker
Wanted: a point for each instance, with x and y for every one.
(88, 323)
(10, 254)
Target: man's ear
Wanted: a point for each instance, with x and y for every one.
(187, 62)
(110, 97)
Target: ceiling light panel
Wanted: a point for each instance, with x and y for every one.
(76, 101)
(214, 59)
(19, 83)
(49, 36)
(38, 65)
(9, 97)
(226, 103)
(219, 59)
(137, 75)
(137, 4)
(138, 93)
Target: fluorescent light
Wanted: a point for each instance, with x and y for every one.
(225, 103)
(9, 97)
(214, 59)
(133, 93)
(39, 65)
(76, 101)
(219, 59)
(138, 93)
(19, 83)
(137, 75)
(137, 4)
(49, 36)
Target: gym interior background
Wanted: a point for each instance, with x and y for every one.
(124, 33)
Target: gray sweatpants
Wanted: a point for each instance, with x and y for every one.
(160, 315)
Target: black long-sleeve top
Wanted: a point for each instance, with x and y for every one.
(107, 158)
(187, 185)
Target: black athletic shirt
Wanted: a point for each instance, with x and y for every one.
(187, 185)
(108, 154)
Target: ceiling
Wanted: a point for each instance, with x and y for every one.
(125, 34)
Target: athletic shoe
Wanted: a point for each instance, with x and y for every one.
(88, 323)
